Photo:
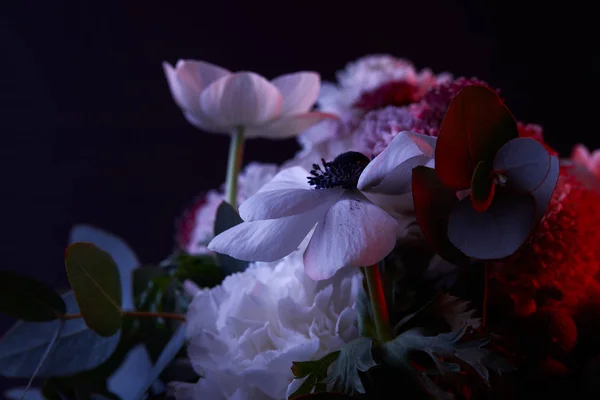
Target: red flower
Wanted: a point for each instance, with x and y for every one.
(562, 252)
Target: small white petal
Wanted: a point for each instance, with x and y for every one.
(287, 126)
(391, 171)
(353, 233)
(299, 91)
(241, 99)
(286, 202)
(268, 240)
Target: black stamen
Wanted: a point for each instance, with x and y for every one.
(343, 171)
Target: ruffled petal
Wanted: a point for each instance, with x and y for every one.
(391, 171)
(299, 91)
(287, 126)
(267, 240)
(353, 233)
(286, 202)
(241, 99)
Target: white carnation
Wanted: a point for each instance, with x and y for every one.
(244, 334)
(250, 180)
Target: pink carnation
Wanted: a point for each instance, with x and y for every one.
(591, 161)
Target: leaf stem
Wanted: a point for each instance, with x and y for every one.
(144, 314)
(378, 304)
(234, 162)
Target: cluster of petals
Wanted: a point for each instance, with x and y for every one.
(217, 100)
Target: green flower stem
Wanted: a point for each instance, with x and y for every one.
(234, 162)
(378, 304)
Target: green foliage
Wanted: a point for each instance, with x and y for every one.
(354, 356)
(78, 347)
(345, 364)
(315, 373)
(447, 346)
(227, 218)
(27, 299)
(95, 280)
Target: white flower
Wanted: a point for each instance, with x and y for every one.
(351, 231)
(244, 334)
(251, 179)
(219, 101)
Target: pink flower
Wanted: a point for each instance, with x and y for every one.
(591, 161)
(219, 101)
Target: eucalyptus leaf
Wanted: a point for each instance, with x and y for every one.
(20, 394)
(525, 162)
(496, 233)
(78, 348)
(168, 354)
(95, 280)
(47, 352)
(354, 356)
(28, 299)
(129, 378)
(227, 218)
(120, 252)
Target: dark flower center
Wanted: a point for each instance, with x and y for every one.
(343, 171)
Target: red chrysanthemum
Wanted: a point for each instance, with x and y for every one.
(394, 93)
(560, 263)
(535, 132)
(430, 111)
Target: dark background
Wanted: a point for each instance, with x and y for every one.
(90, 134)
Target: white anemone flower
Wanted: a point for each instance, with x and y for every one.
(351, 231)
(219, 101)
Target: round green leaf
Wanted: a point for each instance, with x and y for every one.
(495, 233)
(95, 280)
(78, 348)
(27, 299)
(525, 162)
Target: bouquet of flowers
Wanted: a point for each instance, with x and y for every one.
(423, 243)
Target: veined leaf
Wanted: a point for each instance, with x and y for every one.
(78, 348)
(168, 354)
(25, 298)
(95, 280)
(309, 374)
(120, 252)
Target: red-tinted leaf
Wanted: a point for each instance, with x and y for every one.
(433, 204)
(482, 187)
(323, 396)
(476, 125)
